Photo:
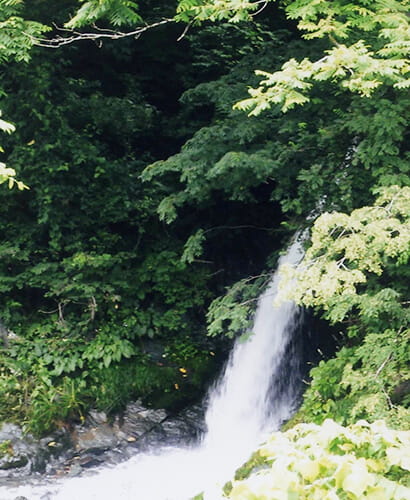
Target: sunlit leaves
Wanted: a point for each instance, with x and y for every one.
(347, 249)
(8, 174)
(6, 126)
(233, 11)
(330, 462)
(374, 52)
(355, 271)
(355, 67)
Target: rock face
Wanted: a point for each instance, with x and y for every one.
(98, 440)
(22, 454)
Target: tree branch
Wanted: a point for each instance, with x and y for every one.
(99, 35)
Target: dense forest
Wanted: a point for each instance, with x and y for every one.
(160, 156)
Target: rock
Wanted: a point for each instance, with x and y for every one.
(27, 454)
(101, 437)
(20, 448)
(98, 440)
(74, 470)
(96, 418)
(10, 432)
(138, 420)
(89, 461)
(13, 462)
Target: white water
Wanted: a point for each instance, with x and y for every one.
(246, 404)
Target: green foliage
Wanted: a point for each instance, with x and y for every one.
(232, 313)
(362, 382)
(89, 277)
(375, 55)
(6, 448)
(7, 174)
(219, 10)
(348, 251)
(46, 380)
(344, 274)
(335, 148)
(330, 461)
(17, 35)
(117, 12)
(234, 157)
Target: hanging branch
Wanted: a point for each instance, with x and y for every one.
(98, 35)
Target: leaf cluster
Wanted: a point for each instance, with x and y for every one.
(116, 12)
(355, 271)
(330, 461)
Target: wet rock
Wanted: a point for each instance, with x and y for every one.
(138, 420)
(74, 470)
(12, 462)
(24, 454)
(102, 437)
(18, 449)
(96, 418)
(89, 461)
(98, 440)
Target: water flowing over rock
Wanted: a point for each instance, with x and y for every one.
(259, 390)
(97, 441)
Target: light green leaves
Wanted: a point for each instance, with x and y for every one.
(347, 249)
(374, 53)
(284, 88)
(8, 174)
(355, 67)
(6, 126)
(233, 11)
(355, 272)
(330, 462)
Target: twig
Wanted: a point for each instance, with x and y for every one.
(60, 312)
(246, 226)
(261, 9)
(185, 31)
(93, 307)
(383, 365)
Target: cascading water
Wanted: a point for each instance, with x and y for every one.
(251, 399)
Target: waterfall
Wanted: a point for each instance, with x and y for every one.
(242, 403)
(256, 393)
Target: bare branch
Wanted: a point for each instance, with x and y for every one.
(264, 4)
(92, 305)
(184, 32)
(61, 306)
(245, 226)
(383, 365)
(99, 35)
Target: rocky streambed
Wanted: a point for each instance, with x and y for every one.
(98, 441)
